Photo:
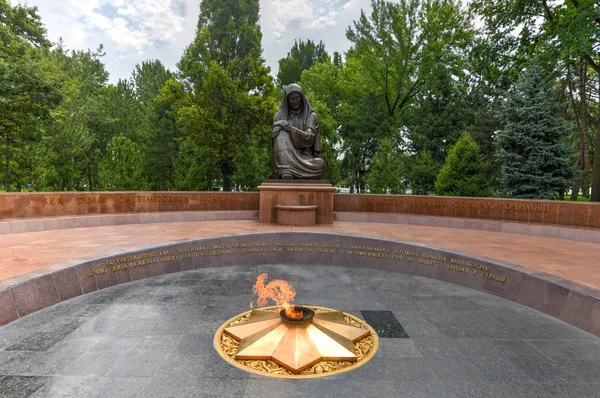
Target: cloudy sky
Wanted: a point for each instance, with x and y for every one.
(136, 30)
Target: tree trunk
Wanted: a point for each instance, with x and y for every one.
(226, 183)
(596, 172)
(7, 176)
(584, 161)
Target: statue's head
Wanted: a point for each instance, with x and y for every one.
(293, 93)
(295, 100)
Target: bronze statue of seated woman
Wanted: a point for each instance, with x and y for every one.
(295, 138)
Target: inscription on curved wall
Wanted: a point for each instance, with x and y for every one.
(305, 249)
(263, 250)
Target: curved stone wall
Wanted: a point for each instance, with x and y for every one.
(61, 204)
(542, 212)
(102, 220)
(576, 304)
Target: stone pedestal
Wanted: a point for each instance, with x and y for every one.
(296, 202)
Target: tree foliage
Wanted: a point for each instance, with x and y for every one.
(301, 57)
(387, 173)
(535, 159)
(464, 172)
(391, 109)
(29, 87)
(228, 89)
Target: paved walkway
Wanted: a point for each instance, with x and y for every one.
(571, 260)
(153, 338)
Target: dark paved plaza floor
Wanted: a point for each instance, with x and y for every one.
(154, 338)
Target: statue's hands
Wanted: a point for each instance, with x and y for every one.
(285, 125)
(307, 135)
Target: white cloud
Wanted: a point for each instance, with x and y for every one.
(303, 14)
(130, 25)
(133, 31)
(283, 21)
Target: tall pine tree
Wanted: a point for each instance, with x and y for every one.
(534, 156)
(229, 88)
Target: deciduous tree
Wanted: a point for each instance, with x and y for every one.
(301, 57)
(229, 88)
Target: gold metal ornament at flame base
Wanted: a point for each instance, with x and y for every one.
(259, 341)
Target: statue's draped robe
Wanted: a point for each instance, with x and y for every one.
(293, 150)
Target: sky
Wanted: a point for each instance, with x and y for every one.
(133, 31)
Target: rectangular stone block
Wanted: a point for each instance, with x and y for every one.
(48, 291)
(578, 309)
(566, 211)
(8, 311)
(22, 205)
(296, 193)
(594, 215)
(7, 206)
(88, 284)
(550, 217)
(533, 292)
(581, 215)
(594, 324)
(27, 298)
(109, 278)
(554, 302)
(175, 266)
(67, 284)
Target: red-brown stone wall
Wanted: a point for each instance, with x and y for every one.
(547, 212)
(49, 204)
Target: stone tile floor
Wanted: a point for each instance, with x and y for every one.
(153, 338)
(33, 251)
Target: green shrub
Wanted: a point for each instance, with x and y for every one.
(463, 173)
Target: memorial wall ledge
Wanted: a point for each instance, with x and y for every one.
(15, 226)
(571, 302)
(537, 212)
(579, 234)
(544, 212)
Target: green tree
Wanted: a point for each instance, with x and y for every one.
(387, 173)
(534, 156)
(321, 85)
(394, 51)
(439, 112)
(301, 57)
(230, 92)
(80, 129)
(464, 173)
(161, 135)
(560, 31)
(421, 172)
(120, 168)
(189, 168)
(29, 87)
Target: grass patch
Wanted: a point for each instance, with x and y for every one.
(579, 198)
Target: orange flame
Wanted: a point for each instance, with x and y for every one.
(278, 290)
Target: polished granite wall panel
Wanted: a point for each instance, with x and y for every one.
(544, 212)
(27, 298)
(578, 309)
(8, 311)
(47, 289)
(570, 302)
(55, 204)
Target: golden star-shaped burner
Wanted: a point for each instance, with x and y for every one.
(296, 345)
